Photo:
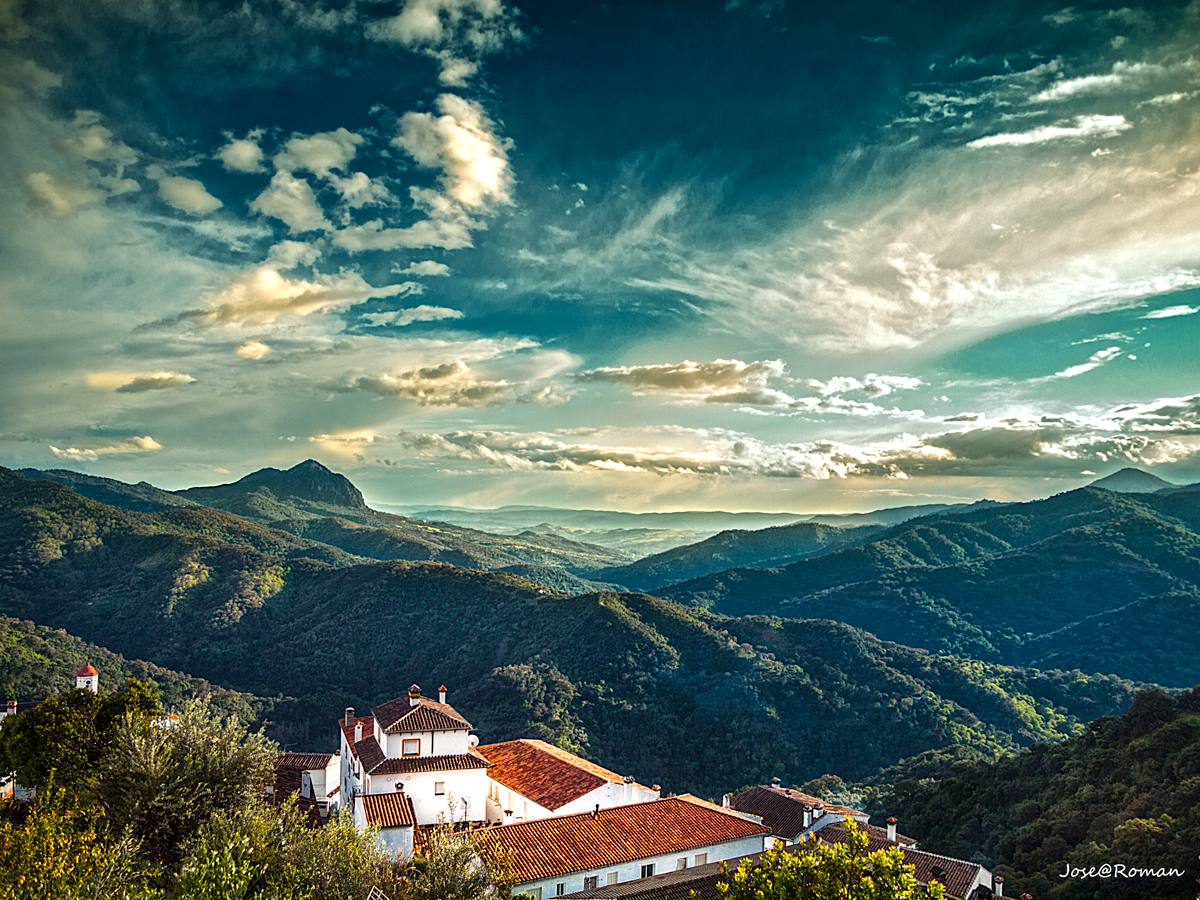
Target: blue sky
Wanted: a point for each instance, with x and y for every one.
(745, 254)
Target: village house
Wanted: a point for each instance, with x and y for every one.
(791, 814)
(555, 856)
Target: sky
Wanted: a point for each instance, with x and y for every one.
(718, 254)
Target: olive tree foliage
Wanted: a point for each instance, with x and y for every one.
(453, 868)
(271, 852)
(816, 871)
(163, 783)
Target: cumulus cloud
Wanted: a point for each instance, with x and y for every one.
(142, 444)
(402, 317)
(449, 384)
(871, 384)
(58, 196)
(1083, 127)
(254, 350)
(263, 295)
(291, 200)
(242, 154)
(186, 194)
(456, 33)
(426, 268)
(322, 154)
(90, 141)
(691, 377)
(138, 382)
(374, 235)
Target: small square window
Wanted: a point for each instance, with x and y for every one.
(613, 877)
(439, 788)
(560, 889)
(410, 747)
(647, 870)
(591, 882)
(701, 859)
(681, 863)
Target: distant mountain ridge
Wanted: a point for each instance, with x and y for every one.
(1132, 481)
(308, 480)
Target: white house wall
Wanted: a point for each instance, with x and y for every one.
(468, 784)
(606, 796)
(631, 871)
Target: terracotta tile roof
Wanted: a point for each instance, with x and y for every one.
(88, 671)
(582, 842)
(294, 760)
(367, 722)
(391, 810)
(428, 715)
(544, 773)
(408, 764)
(782, 809)
(955, 875)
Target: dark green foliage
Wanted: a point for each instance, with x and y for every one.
(1085, 579)
(1126, 791)
(63, 737)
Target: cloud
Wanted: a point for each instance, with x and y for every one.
(1170, 312)
(143, 444)
(402, 317)
(426, 268)
(263, 295)
(322, 154)
(374, 235)
(138, 382)
(242, 154)
(718, 376)
(1095, 361)
(1084, 127)
(449, 384)
(186, 194)
(870, 384)
(456, 33)
(254, 350)
(90, 141)
(57, 196)
(291, 200)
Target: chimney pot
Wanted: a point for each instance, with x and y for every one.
(998, 885)
(776, 782)
(891, 830)
(657, 788)
(596, 811)
(357, 732)
(349, 720)
(726, 800)
(414, 695)
(441, 693)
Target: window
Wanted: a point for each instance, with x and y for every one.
(560, 889)
(410, 747)
(613, 877)
(701, 859)
(535, 893)
(681, 863)
(591, 882)
(439, 788)
(647, 870)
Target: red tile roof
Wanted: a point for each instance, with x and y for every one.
(782, 809)
(367, 722)
(428, 715)
(86, 672)
(392, 810)
(544, 773)
(582, 842)
(955, 875)
(409, 764)
(294, 760)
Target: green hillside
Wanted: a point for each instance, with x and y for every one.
(728, 701)
(1019, 583)
(1126, 791)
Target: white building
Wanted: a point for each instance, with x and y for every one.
(563, 854)
(531, 779)
(88, 679)
(421, 747)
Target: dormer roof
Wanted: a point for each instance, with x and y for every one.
(402, 715)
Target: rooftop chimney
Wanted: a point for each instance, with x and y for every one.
(726, 800)
(596, 812)
(998, 885)
(441, 693)
(349, 720)
(12, 707)
(414, 695)
(891, 824)
(776, 782)
(357, 732)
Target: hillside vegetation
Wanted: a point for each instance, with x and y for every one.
(729, 701)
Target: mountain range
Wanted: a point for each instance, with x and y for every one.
(249, 598)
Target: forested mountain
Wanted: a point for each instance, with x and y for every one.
(323, 507)
(1132, 481)
(36, 662)
(1021, 583)
(729, 701)
(1126, 791)
(729, 549)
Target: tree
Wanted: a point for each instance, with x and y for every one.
(59, 853)
(452, 868)
(164, 784)
(814, 871)
(66, 734)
